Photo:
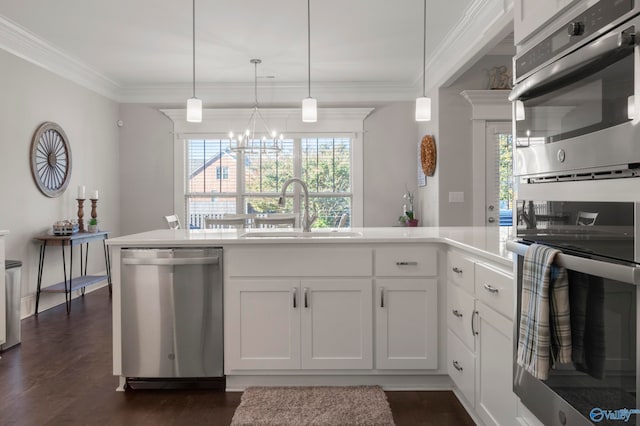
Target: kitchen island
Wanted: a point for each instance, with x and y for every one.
(343, 307)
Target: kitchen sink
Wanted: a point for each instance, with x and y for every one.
(296, 233)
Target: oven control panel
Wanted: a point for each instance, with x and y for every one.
(588, 24)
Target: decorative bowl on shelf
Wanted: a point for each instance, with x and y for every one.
(65, 228)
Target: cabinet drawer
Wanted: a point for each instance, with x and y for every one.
(460, 270)
(461, 366)
(495, 288)
(460, 306)
(406, 261)
(296, 261)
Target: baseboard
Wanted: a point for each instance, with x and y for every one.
(387, 382)
(51, 300)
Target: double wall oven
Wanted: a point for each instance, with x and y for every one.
(577, 118)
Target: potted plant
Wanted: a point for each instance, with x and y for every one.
(93, 225)
(407, 218)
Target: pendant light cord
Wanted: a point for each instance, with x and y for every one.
(424, 53)
(309, 45)
(255, 82)
(194, 48)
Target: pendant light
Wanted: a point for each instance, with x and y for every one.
(309, 104)
(194, 105)
(423, 103)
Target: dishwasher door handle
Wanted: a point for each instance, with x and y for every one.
(171, 261)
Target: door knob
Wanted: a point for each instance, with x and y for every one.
(491, 220)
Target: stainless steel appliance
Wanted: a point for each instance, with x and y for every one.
(172, 316)
(577, 92)
(604, 273)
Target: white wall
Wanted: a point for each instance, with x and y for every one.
(390, 162)
(146, 168)
(30, 96)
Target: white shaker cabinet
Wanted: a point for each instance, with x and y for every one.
(480, 351)
(336, 324)
(263, 323)
(531, 15)
(406, 323)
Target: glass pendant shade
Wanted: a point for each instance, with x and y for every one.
(520, 111)
(194, 110)
(423, 109)
(309, 110)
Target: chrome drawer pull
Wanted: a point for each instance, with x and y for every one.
(406, 263)
(457, 313)
(490, 288)
(456, 270)
(457, 366)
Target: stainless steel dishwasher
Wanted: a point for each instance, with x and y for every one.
(172, 316)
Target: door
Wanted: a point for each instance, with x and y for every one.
(406, 323)
(495, 400)
(336, 324)
(499, 175)
(264, 329)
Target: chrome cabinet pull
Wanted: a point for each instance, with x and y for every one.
(295, 304)
(473, 327)
(382, 297)
(457, 366)
(306, 299)
(457, 313)
(456, 270)
(490, 288)
(406, 263)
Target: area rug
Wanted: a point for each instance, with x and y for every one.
(318, 405)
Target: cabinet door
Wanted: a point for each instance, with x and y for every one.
(263, 325)
(495, 401)
(406, 323)
(531, 15)
(336, 324)
(3, 302)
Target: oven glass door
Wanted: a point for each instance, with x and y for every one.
(595, 100)
(602, 377)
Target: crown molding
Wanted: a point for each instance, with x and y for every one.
(233, 93)
(481, 21)
(286, 120)
(488, 104)
(26, 45)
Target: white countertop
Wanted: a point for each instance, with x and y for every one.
(490, 241)
(3, 232)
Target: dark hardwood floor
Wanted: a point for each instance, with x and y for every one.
(61, 375)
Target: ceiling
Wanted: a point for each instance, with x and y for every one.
(147, 43)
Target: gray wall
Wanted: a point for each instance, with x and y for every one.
(30, 96)
(390, 162)
(146, 168)
(453, 130)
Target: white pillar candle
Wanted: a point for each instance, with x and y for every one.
(95, 195)
(81, 192)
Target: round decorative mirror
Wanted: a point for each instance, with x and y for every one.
(50, 159)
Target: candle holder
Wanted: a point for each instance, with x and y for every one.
(80, 214)
(94, 205)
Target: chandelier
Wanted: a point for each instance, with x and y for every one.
(258, 136)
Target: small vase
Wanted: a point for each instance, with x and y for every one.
(412, 222)
(93, 228)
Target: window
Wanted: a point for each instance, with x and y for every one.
(222, 172)
(219, 180)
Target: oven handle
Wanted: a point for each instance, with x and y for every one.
(609, 44)
(611, 271)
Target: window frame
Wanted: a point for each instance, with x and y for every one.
(333, 122)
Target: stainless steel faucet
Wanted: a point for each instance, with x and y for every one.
(307, 221)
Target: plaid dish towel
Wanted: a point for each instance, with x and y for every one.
(545, 325)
